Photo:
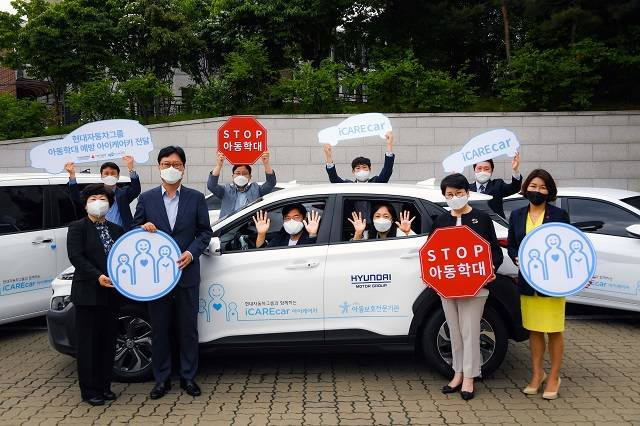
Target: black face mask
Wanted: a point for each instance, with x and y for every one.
(536, 197)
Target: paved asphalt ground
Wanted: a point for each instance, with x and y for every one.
(600, 385)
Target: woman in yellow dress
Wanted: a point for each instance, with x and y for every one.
(540, 313)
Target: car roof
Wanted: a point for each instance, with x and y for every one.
(80, 177)
(408, 190)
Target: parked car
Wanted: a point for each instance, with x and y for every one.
(611, 219)
(335, 293)
(35, 209)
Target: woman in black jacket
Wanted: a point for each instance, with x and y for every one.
(463, 315)
(96, 302)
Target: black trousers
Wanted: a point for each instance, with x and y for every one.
(96, 331)
(185, 315)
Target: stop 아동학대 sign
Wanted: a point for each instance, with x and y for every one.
(242, 139)
(456, 262)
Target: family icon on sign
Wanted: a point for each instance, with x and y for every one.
(555, 264)
(145, 265)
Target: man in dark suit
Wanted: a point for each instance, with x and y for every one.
(96, 302)
(119, 213)
(182, 213)
(497, 188)
(298, 227)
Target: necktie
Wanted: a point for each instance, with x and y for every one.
(482, 189)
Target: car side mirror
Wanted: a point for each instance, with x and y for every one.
(589, 226)
(634, 230)
(214, 247)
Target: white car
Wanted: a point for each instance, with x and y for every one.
(611, 219)
(35, 209)
(334, 293)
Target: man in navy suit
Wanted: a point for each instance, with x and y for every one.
(119, 212)
(182, 213)
(496, 187)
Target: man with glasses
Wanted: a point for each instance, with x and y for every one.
(158, 209)
(242, 191)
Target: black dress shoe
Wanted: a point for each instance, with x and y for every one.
(109, 396)
(467, 395)
(190, 387)
(448, 389)
(96, 400)
(160, 390)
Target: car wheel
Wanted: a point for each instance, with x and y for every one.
(132, 362)
(436, 343)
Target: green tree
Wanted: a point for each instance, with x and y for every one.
(98, 100)
(144, 93)
(21, 118)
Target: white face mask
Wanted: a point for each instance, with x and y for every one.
(292, 227)
(109, 180)
(240, 180)
(382, 225)
(456, 203)
(362, 175)
(170, 175)
(97, 208)
(483, 177)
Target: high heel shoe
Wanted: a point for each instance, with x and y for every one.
(448, 389)
(530, 390)
(552, 395)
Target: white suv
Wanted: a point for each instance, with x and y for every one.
(35, 209)
(334, 293)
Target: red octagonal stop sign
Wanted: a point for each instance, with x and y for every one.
(456, 262)
(242, 139)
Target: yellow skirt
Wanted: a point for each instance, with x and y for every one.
(544, 314)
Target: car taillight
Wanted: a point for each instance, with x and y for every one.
(502, 242)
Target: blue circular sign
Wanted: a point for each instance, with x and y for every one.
(142, 265)
(557, 259)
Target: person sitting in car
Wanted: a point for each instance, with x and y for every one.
(385, 223)
(296, 230)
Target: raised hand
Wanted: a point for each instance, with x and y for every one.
(389, 137)
(359, 224)
(515, 163)
(262, 222)
(404, 224)
(70, 168)
(128, 160)
(265, 157)
(328, 153)
(312, 223)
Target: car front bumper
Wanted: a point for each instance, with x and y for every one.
(61, 329)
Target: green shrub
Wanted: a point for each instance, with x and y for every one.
(20, 118)
(98, 100)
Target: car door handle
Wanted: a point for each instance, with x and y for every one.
(45, 241)
(409, 255)
(306, 265)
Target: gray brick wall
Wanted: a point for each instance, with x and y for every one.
(582, 149)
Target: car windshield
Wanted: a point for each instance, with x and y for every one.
(257, 200)
(632, 201)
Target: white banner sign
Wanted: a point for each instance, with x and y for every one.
(142, 265)
(482, 147)
(98, 141)
(557, 259)
(357, 126)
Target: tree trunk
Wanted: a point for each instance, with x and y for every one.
(507, 36)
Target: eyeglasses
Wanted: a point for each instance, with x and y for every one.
(175, 165)
(458, 194)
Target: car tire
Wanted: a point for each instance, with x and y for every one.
(436, 345)
(132, 362)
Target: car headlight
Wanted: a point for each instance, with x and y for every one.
(65, 276)
(58, 303)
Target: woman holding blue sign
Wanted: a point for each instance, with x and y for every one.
(463, 314)
(540, 313)
(89, 241)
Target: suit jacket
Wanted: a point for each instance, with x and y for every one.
(383, 177)
(86, 254)
(123, 196)
(499, 189)
(482, 224)
(192, 231)
(282, 239)
(229, 193)
(518, 230)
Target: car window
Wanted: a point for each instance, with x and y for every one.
(512, 204)
(484, 206)
(632, 201)
(241, 235)
(615, 218)
(67, 211)
(367, 206)
(21, 209)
